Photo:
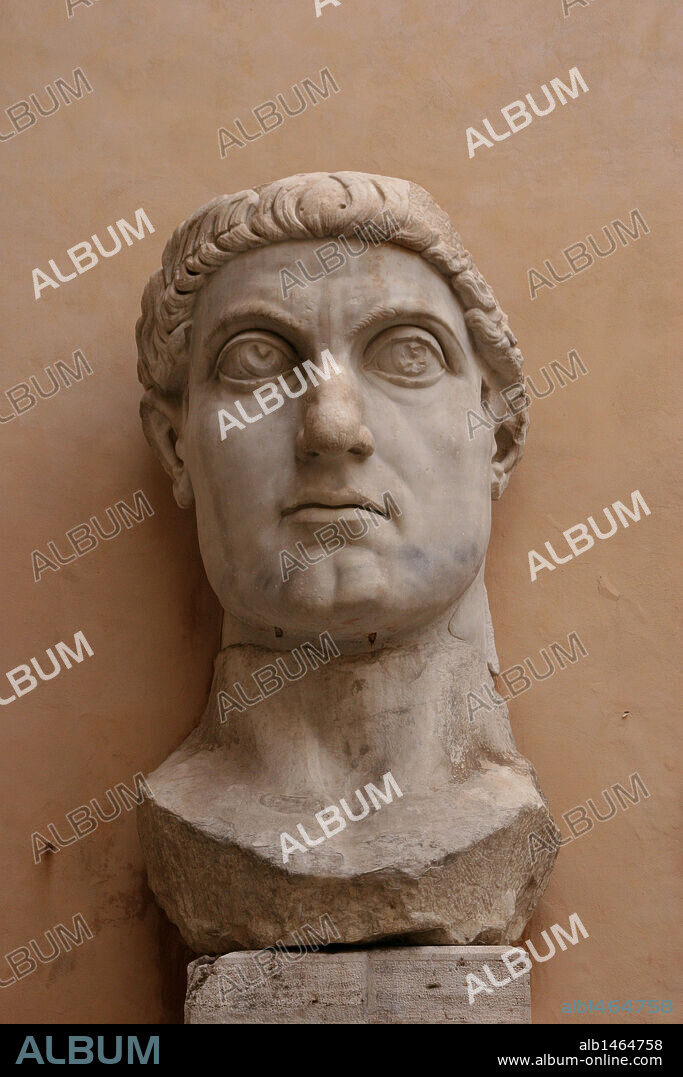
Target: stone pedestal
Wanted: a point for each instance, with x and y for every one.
(378, 986)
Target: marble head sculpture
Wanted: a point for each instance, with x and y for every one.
(353, 759)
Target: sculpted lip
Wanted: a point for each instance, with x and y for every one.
(344, 499)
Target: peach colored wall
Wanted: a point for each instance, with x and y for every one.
(412, 77)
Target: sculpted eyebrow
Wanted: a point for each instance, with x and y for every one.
(242, 311)
(377, 314)
(381, 314)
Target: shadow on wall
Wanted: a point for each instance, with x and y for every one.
(173, 958)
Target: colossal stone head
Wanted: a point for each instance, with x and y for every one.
(249, 294)
(312, 353)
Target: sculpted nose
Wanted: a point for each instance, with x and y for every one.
(332, 421)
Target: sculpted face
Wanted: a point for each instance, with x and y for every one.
(393, 420)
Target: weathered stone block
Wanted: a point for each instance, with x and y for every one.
(397, 985)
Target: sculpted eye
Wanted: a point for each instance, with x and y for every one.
(255, 357)
(406, 355)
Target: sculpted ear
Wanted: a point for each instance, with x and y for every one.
(163, 418)
(508, 408)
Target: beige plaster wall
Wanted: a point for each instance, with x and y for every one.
(412, 77)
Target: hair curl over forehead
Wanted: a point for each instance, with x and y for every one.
(315, 205)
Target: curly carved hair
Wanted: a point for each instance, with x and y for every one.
(315, 205)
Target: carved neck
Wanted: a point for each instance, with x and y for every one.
(301, 723)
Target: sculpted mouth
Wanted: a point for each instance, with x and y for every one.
(336, 503)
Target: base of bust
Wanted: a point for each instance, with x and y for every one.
(378, 986)
(440, 868)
